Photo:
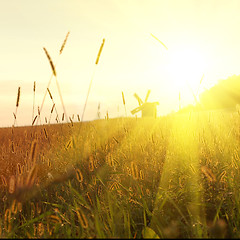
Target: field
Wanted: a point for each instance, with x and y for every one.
(171, 177)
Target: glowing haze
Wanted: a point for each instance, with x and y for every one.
(202, 37)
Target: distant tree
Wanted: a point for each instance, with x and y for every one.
(225, 94)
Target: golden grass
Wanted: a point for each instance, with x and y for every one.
(51, 62)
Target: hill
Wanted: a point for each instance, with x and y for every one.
(224, 95)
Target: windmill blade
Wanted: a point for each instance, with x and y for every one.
(135, 110)
(146, 98)
(159, 41)
(140, 102)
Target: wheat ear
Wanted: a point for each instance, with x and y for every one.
(124, 103)
(17, 104)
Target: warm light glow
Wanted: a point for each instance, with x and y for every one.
(185, 68)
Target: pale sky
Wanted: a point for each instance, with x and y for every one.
(202, 37)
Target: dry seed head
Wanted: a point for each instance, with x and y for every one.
(91, 165)
(234, 164)
(82, 218)
(50, 61)
(18, 97)
(94, 180)
(79, 175)
(62, 116)
(34, 86)
(69, 144)
(55, 219)
(40, 229)
(128, 170)
(222, 176)
(208, 173)
(123, 98)
(12, 184)
(64, 43)
(61, 198)
(45, 133)
(14, 207)
(114, 186)
(33, 152)
(134, 170)
(31, 177)
(7, 220)
(141, 173)
(19, 169)
(100, 51)
(4, 181)
(49, 93)
(89, 198)
(95, 163)
(49, 163)
(110, 160)
(52, 107)
(78, 117)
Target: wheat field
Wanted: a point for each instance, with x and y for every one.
(171, 177)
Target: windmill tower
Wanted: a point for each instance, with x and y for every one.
(149, 109)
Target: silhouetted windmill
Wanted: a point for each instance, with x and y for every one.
(149, 109)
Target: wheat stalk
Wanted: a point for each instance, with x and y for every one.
(159, 41)
(64, 110)
(54, 106)
(49, 82)
(34, 90)
(97, 60)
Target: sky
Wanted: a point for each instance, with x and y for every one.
(202, 38)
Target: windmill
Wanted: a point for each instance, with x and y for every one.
(149, 109)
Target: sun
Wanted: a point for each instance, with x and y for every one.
(185, 68)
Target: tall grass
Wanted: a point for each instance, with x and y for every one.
(172, 177)
(53, 67)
